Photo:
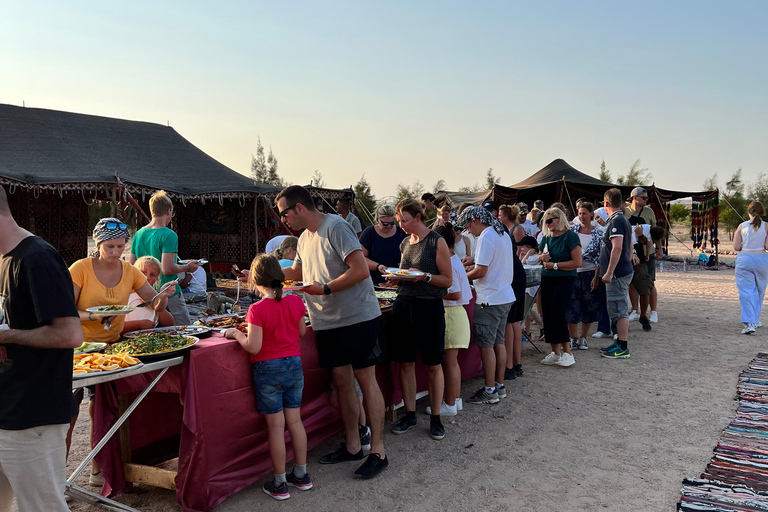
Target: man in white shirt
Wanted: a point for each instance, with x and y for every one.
(528, 226)
(342, 206)
(492, 276)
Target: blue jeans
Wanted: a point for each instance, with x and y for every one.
(278, 383)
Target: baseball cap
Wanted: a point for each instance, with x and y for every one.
(490, 205)
(523, 208)
(638, 191)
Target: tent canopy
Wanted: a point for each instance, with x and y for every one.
(41, 147)
(557, 171)
(456, 199)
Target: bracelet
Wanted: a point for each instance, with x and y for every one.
(189, 267)
(89, 316)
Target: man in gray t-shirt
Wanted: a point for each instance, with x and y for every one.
(343, 206)
(345, 318)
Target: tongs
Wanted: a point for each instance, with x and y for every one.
(165, 287)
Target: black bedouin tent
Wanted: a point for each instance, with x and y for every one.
(53, 164)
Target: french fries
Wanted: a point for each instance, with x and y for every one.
(96, 363)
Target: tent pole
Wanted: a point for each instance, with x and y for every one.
(669, 231)
(570, 201)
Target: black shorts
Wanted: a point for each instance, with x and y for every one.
(418, 326)
(517, 311)
(356, 345)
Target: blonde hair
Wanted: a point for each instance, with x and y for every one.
(385, 210)
(148, 261)
(160, 203)
(756, 211)
(562, 222)
(444, 208)
(266, 272)
(511, 212)
(290, 242)
(412, 207)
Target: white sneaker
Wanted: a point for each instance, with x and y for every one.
(654, 318)
(583, 344)
(615, 337)
(634, 315)
(445, 410)
(600, 334)
(551, 359)
(566, 360)
(759, 324)
(459, 404)
(746, 329)
(752, 328)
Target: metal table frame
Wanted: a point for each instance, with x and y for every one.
(85, 495)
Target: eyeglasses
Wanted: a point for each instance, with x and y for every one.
(115, 225)
(644, 198)
(387, 223)
(550, 221)
(283, 213)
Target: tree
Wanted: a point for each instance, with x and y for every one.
(440, 185)
(734, 207)
(679, 213)
(317, 179)
(471, 190)
(635, 176)
(605, 174)
(259, 170)
(365, 196)
(758, 191)
(273, 178)
(710, 183)
(404, 192)
(490, 179)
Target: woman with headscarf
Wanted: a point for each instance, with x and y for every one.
(560, 253)
(751, 242)
(381, 242)
(106, 280)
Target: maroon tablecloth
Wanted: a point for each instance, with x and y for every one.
(207, 403)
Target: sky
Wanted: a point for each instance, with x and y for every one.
(406, 91)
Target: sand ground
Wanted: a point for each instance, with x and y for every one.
(604, 434)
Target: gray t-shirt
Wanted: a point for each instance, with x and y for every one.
(321, 256)
(357, 227)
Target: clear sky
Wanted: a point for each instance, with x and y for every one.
(403, 91)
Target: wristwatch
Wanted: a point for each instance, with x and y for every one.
(326, 289)
(428, 277)
(554, 267)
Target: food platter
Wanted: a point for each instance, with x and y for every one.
(386, 303)
(106, 311)
(401, 273)
(135, 347)
(224, 322)
(189, 330)
(110, 372)
(385, 286)
(386, 294)
(290, 286)
(89, 365)
(89, 347)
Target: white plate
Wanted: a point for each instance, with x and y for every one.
(125, 311)
(184, 330)
(99, 374)
(92, 347)
(412, 274)
(201, 261)
(297, 287)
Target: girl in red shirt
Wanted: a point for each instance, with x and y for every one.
(275, 324)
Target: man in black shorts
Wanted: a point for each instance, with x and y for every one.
(345, 315)
(40, 327)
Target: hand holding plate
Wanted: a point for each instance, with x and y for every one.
(314, 289)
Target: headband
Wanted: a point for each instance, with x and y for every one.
(102, 233)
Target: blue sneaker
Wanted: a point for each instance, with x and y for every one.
(617, 353)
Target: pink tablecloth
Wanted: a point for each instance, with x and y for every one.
(208, 404)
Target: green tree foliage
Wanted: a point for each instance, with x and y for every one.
(365, 196)
(264, 168)
(637, 175)
(710, 183)
(758, 191)
(471, 190)
(439, 185)
(490, 179)
(413, 191)
(733, 207)
(679, 213)
(317, 179)
(605, 174)
(273, 178)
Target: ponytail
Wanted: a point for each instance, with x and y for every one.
(277, 285)
(756, 211)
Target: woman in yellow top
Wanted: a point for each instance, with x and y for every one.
(106, 280)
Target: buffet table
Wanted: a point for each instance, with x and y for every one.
(204, 412)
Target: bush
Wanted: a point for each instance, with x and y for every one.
(679, 213)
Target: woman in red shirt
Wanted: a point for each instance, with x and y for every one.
(275, 324)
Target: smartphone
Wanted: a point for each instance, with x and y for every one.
(237, 271)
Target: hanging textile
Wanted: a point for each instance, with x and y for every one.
(705, 212)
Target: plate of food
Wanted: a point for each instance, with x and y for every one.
(224, 322)
(386, 303)
(200, 262)
(190, 330)
(89, 365)
(88, 347)
(290, 286)
(385, 286)
(157, 345)
(386, 294)
(114, 310)
(401, 273)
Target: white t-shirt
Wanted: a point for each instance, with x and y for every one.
(145, 313)
(197, 284)
(600, 212)
(586, 266)
(459, 283)
(495, 252)
(751, 240)
(274, 243)
(472, 242)
(460, 248)
(530, 228)
(355, 222)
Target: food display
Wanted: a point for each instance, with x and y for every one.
(225, 322)
(189, 330)
(386, 294)
(87, 348)
(83, 364)
(151, 344)
(385, 303)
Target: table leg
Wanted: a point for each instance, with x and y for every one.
(125, 438)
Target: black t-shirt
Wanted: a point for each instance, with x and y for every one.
(385, 251)
(35, 383)
(617, 226)
(639, 247)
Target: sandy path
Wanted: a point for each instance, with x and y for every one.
(602, 434)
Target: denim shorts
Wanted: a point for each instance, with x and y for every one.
(278, 383)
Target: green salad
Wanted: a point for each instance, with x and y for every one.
(146, 344)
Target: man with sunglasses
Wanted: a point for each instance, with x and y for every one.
(345, 313)
(158, 240)
(640, 208)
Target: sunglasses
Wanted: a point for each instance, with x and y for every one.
(458, 230)
(387, 223)
(115, 225)
(644, 198)
(550, 221)
(283, 213)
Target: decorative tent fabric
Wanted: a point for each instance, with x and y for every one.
(705, 211)
(736, 478)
